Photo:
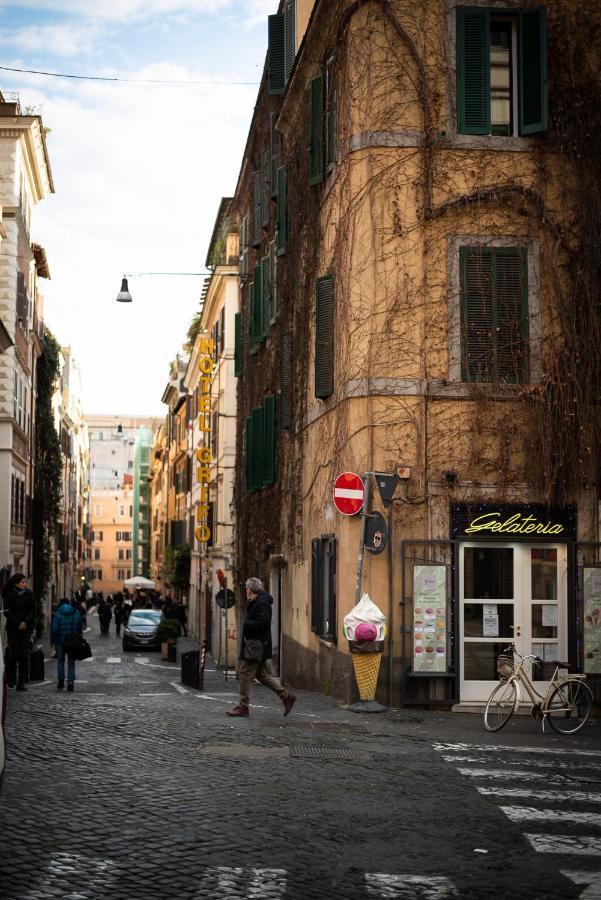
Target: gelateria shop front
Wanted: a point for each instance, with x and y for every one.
(516, 580)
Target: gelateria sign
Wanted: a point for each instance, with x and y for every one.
(513, 523)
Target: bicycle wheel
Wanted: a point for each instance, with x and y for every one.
(569, 706)
(500, 706)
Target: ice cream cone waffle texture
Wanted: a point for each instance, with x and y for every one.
(367, 667)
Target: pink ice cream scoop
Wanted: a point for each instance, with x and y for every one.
(365, 632)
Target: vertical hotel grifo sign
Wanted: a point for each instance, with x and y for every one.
(204, 456)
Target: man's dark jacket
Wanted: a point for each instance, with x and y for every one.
(19, 607)
(257, 624)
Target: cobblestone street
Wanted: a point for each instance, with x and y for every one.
(134, 786)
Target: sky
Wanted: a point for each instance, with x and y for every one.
(139, 169)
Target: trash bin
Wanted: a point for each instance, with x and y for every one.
(191, 669)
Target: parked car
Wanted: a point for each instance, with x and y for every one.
(3, 698)
(141, 630)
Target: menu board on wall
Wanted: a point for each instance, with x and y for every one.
(592, 620)
(429, 619)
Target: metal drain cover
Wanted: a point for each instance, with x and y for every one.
(301, 752)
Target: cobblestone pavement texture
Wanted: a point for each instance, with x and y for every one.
(131, 788)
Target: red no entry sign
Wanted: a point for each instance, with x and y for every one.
(349, 493)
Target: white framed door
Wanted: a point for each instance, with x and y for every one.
(510, 593)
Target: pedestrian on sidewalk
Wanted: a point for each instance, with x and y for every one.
(256, 651)
(66, 621)
(119, 614)
(104, 616)
(19, 609)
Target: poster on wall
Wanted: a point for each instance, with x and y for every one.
(592, 620)
(429, 619)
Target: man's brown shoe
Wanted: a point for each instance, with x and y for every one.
(288, 702)
(238, 711)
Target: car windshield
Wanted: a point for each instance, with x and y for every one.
(145, 617)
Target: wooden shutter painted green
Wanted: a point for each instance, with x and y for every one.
(331, 127)
(269, 440)
(257, 306)
(316, 584)
(257, 212)
(473, 70)
(266, 295)
(266, 184)
(275, 148)
(238, 357)
(494, 314)
(282, 212)
(273, 271)
(286, 381)
(533, 70)
(248, 456)
(324, 336)
(289, 36)
(276, 63)
(252, 339)
(316, 142)
(244, 246)
(257, 447)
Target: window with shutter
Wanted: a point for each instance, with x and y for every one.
(266, 183)
(257, 212)
(324, 336)
(316, 584)
(316, 141)
(323, 587)
(244, 246)
(286, 381)
(282, 212)
(257, 447)
(273, 267)
(275, 147)
(275, 54)
(289, 36)
(331, 114)
(501, 71)
(266, 303)
(269, 443)
(238, 357)
(248, 452)
(494, 314)
(222, 330)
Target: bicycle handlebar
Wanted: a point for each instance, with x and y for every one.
(536, 659)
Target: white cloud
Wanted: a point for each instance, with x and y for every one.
(139, 173)
(59, 40)
(123, 10)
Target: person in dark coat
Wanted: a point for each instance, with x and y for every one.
(119, 614)
(19, 609)
(257, 627)
(66, 620)
(105, 615)
(182, 616)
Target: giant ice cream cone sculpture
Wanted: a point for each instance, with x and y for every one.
(364, 628)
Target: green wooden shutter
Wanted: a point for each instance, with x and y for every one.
(269, 443)
(238, 358)
(257, 213)
(257, 324)
(286, 381)
(511, 313)
(331, 128)
(266, 295)
(275, 148)
(243, 246)
(324, 336)
(289, 36)
(477, 314)
(248, 456)
(316, 584)
(316, 147)
(257, 447)
(533, 70)
(273, 271)
(275, 54)
(282, 212)
(473, 71)
(266, 185)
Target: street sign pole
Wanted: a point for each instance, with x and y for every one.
(364, 515)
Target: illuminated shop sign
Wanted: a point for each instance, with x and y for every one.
(204, 456)
(528, 522)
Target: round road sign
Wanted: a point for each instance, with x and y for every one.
(349, 493)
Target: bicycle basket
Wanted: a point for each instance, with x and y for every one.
(505, 664)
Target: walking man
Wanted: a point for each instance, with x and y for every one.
(255, 652)
(19, 609)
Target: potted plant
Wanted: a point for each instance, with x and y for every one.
(168, 633)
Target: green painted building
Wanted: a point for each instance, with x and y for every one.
(141, 521)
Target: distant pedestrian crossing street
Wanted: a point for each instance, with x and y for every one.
(554, 794)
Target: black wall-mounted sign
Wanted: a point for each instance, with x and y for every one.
(532, 523)
(376, 533)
